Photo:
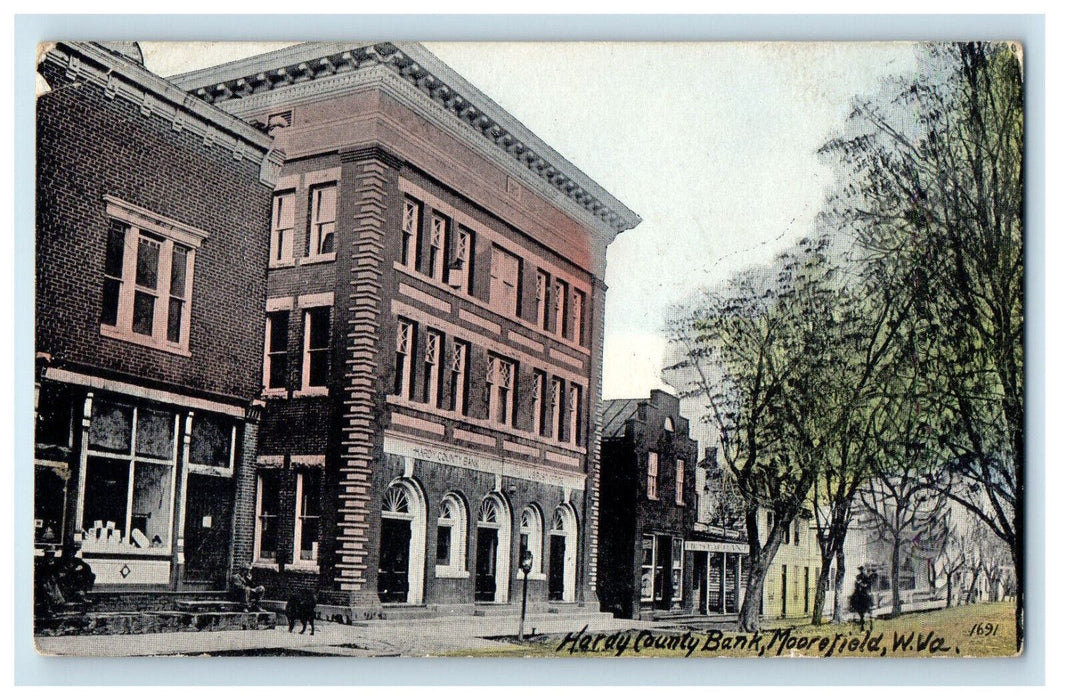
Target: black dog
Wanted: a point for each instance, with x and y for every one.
(301, 608)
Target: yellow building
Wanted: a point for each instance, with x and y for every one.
(789, 589)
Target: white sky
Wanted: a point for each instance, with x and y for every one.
(712, 144)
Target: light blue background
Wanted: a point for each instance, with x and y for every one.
(33, 669)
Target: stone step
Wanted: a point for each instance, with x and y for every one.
(127, 600)
(145, 622)
(208, 606)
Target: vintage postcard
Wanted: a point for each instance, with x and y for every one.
(573, 350)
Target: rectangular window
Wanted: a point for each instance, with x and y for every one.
(129, 479)
(438, 241)
(542, 299)
(501, 382)
(444, 545)
(648, 558)
(268, 488)
(148, 282)
(308, 512)
(458, 377)
(676, 568)
(577, 317)
(276, 360)
(410, 233)
(555, 425)
(561, 308)
(323, 220)
(796, 532)
(316, 346)
(505, 277)
(574, 414)
(786, 536)
(459, 267)
(539, 402)
(211, 441)
(405, 344)
(653, 475)
(679, 482)
(281, 229)
(431, 368)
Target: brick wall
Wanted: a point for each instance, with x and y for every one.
(89, 146)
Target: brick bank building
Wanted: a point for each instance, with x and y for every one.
(150, 246)
(431, 358)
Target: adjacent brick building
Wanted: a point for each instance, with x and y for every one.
(647, 507)
(152, 218)
(433, 344)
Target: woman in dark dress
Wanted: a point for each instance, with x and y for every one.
(860, 602)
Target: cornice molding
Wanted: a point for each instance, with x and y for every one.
(312, 71)
(118, 77)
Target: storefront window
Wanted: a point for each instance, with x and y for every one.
(210, 440)
(647, 559)
(49, 497)
(676, 568)
(129, 491)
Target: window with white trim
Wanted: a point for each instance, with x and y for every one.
(653, 476)
(459, 267)
(129, 479)
(539, 402)
(542, 299)
(574, 413)
(431, 368)
(276, 350)
(648, 559)
(505, 278)
(281, 228)
(531, 536)
(322, 237)
(560, 300)
(268, 500)
(308, 513)
(410, 233)
(555, 424)
(578, 317)
(405, 344)
(679, 482)
(676, 568)
(501, 382)
(451, 536)
(438, 242)
(316, 347)
(458, 377)
(148, 283)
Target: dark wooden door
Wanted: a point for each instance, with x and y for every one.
(485, 566)
(785, 587)
(208, 520)
(393, 561)
(715, 590)
(663, 573)
(557, 555)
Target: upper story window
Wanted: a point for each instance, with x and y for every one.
(578, 317)
(281, 229)
(431, 370)
(405, 344)
(679, 482)
(438, 242)
(653, 476)
(148, 278)
(316, 347)
(459, 267)
(321, 238)
(542, 299)
(276, 350)
(501, 382)
(574, 413)
(458, 372)
(410, 226)
(561, 308)
(539, 403)
(787, 531)
(555, 426)
(505, 276)
(796, 532)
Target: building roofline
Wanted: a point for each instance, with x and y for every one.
(433, 78)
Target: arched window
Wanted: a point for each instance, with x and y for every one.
(452, 537)
(531, 536)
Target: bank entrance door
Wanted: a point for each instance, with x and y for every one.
(485, 565)
(393, 561)
(557, 553)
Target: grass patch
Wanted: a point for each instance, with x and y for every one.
(933, 633)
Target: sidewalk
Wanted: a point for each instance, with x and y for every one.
(424, 637)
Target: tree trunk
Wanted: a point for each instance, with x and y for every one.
(748, 619)
(894, 573)
(839, 587)
(820, 590)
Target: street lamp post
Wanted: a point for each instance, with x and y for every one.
(525, 564)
